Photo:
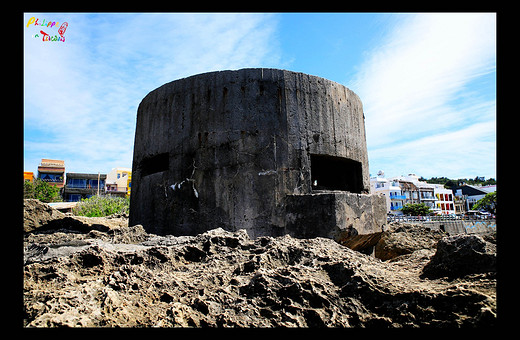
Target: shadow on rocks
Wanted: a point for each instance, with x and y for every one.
(460, 255)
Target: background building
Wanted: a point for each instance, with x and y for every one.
(129, 184)
(391, 190)
(444, 202)
(118, 182)
(80, 186)
(468, 195)
(52, 171)
(410, 191)
(28, 176)
(402, 190)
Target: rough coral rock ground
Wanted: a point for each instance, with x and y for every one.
(120, 276)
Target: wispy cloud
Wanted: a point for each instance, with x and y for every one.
(423, 109)
(442, 154)
(81, 95)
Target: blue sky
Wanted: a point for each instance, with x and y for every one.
(426, 80)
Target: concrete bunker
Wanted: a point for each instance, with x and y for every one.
(270, 151)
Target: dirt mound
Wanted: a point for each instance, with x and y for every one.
(40, 217)
(122, 276)
(37, 214)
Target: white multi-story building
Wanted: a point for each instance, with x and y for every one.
(444, 203)
(403, 190)
(391, 190)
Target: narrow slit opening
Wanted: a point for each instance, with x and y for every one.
(335, 173)
(154, 164)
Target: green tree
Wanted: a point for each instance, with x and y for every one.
(416, 209)
(41, 190)
(28, 189)
(487, 203)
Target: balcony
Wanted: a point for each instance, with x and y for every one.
(52, 180)
(397, 197)
(429, 198)
(115, 190)
(80, 183)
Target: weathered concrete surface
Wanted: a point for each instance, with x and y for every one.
(225, 149)
(481, 227)
(337, 215)
(451, 227)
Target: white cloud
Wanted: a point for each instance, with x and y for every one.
(81, 95)
(463, 153)
(418, 82)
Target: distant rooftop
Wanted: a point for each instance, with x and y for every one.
(52, 162)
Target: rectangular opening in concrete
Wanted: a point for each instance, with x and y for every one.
(335, 173)
(154, 164)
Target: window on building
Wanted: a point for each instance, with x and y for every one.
(93, 183)
(76, 183)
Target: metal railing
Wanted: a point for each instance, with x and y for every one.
(54, 180)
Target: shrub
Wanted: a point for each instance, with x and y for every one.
(99, 206)
(416, 209)
(41, 190)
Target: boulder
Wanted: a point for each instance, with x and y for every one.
(398, 239)
(461, 255)
(405, 238)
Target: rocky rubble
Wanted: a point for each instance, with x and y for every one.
(89, 276)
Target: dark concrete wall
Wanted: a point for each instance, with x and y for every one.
(224, 149)
(334, 214)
